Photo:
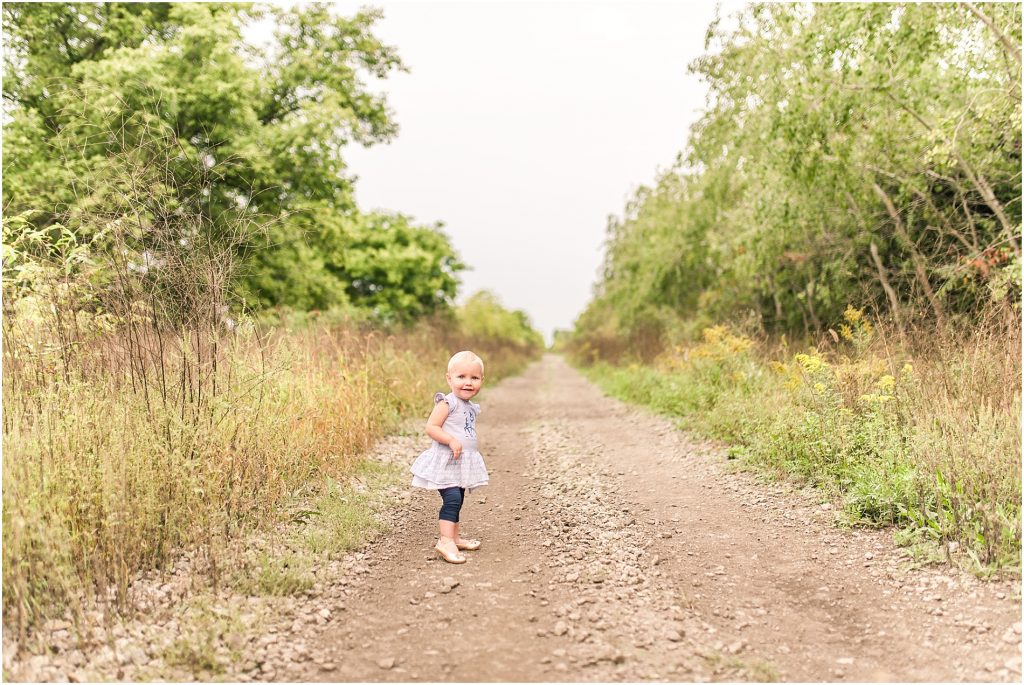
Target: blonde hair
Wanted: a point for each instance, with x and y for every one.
(463, 356)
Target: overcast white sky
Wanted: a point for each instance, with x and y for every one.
(523, 125)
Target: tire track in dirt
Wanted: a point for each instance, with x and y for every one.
(617, 548)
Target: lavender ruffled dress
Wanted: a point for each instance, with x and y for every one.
(437, 468)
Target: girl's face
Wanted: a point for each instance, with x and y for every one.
(465, 379)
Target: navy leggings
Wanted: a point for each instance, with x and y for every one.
(452, 503)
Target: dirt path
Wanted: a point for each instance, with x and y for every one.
(615, 548)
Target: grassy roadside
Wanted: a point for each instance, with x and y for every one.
(217, 617)
(930, 443)
(103, 482)
(269, 573)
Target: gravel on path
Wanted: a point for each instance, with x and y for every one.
(615, 548)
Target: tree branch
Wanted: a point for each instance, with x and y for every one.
(1007, 45)
(915, 256)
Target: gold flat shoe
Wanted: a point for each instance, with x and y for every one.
(451, 559)
(468, 544)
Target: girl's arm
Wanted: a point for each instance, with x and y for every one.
(435, 431)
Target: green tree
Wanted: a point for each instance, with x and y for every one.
(483, 319)
(848, 153)
(243, 131)
(397, 270)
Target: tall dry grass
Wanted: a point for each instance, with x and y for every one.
(960, 425)
(99, 484)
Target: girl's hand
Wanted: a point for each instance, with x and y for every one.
(456, 448)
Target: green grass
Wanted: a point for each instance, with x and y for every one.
(343, 516)
(340, 518)
(930, 449)
(204, 648)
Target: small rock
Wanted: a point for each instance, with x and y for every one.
(387, 663)
(674, 636)
(845, 660)
(327, 666)
(561, 628)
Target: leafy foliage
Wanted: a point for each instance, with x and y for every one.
(227, 130)
(848, 153)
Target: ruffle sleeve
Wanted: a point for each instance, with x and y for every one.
(449, 398)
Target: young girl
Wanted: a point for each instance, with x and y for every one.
(452, 465)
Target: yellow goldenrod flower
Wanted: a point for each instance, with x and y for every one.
(886, 383)
(714, 334)
(809, 362)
